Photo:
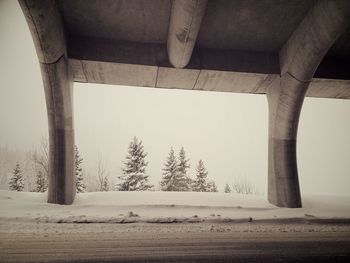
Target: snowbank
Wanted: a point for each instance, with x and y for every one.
(164, 207)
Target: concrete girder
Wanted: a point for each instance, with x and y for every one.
(114, 62)
(185, 20)
(46, 27)
(299, 59)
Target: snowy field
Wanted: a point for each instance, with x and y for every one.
(164, 207)
(131, 226)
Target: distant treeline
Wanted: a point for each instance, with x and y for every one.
(134, 175)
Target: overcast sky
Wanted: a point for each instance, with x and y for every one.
(227, 131)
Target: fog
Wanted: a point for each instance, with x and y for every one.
(227, 131)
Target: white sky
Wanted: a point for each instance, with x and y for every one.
(228, 131)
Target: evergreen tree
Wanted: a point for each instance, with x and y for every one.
(199, 184)
(183, 181)
(211, 187)
(17, 181)
(134, 176)
(227, 189)
(170, 171)
(41, 182)
(80, 185)
(105, 187)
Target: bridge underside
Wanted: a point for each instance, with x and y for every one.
(146, 65)
(284, 49)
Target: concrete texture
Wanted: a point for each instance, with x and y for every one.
(140, 21)
(309, 43)
(325, 88)
(45, 24)
(58, 86)
(121, 74)
(285, 99)
(234, 36)
(47, 30)
(277, 47)
(105, 59)
(233, 24)
(149, 67)
(185, 21)
(173, 78)
(167, 77)
(299, 59)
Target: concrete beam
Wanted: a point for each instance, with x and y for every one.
(47, 31)
(105, 61)
(299, 59)
(329, 88)
(194, 79)
(169, 78)
(185, 20)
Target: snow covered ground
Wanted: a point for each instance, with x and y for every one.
(164, 207)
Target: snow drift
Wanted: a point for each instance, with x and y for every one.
(164, 207)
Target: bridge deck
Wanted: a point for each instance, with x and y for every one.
(125, 43)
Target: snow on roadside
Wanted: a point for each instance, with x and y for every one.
(163, 207)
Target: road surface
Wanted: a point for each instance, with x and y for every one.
(172, 243)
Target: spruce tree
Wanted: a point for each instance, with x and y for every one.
(41, 182)
(134, 176)
(17, 181)
(80, 185)
(227, 189)
(200, 184)
(170, 171)
(211, 187)
(183, 182)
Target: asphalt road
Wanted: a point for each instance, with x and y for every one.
(162, 246)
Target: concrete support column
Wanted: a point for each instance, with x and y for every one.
(185, 21)
(45, 24)
(285, 99)
(299, 59)
(58, 86)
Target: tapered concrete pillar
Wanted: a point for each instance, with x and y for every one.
(58, 93)
(299, 59)
(285, 99)
(45, 24)
(185, 21)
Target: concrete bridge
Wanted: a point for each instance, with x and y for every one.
(284, 49)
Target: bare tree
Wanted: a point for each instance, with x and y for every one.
(102, 174)
(41, 156)
(40, 160)
(41, 182)
(243, 186)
